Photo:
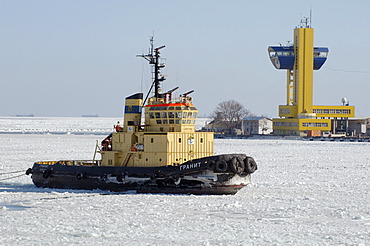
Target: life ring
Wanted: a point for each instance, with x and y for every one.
(236, 165)
(221, 166)
(250, 165)
(133, 148)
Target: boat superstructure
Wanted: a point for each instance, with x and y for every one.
(162, 154)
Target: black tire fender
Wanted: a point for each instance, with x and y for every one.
(120, 177)
(80, 176)
(221, 166)
(176, 179)
(250, 165)
(236, 165)
(46, 173)
(211, 165)
(103, 178)
(153, 177)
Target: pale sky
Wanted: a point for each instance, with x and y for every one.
(69, 58)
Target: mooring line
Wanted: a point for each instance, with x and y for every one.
(13, 172)
(12, 177)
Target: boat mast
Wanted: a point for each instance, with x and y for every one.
(153, 59)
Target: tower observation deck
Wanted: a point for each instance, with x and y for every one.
(299, 116)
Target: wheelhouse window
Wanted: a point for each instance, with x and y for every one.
(176, 116)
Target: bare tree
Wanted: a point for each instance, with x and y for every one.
(229, 113)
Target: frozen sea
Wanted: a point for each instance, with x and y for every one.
(303, 193)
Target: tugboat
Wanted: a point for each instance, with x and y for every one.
(164, 155)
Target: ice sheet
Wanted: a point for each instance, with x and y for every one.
(303, 193)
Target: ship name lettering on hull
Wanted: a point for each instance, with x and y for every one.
(190, 166)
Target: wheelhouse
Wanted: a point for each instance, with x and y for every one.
(170, 116)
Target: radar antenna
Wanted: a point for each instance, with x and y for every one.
(345, 101)
(153, 59)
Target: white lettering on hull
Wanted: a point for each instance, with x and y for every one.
(190, 166)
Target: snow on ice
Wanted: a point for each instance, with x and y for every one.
(303, 193)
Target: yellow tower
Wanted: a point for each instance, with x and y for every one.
(303, 71)
(299, 116)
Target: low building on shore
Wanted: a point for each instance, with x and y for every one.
(256, 126)
(359, 126)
